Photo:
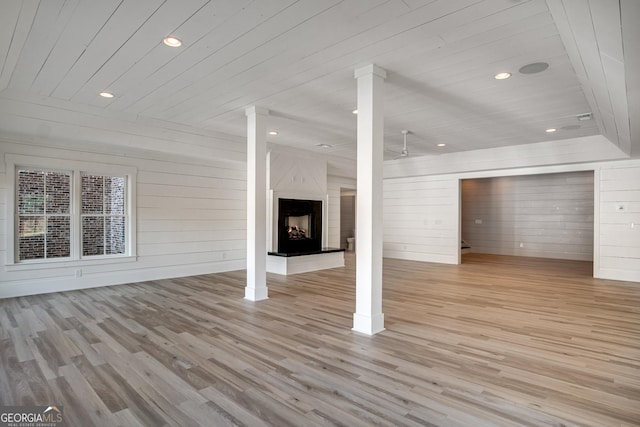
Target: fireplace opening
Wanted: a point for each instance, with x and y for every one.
(299, 226)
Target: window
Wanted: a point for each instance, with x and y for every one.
(103, 215)
(44, 214)
(73, 214)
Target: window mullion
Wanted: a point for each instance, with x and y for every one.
(76, 215)
(104, 217)
(44, 204)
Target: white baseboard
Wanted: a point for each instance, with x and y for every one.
(61, 284)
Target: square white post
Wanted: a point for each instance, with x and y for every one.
(368, 318)
(256, 288)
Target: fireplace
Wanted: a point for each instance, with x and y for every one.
(299, 226)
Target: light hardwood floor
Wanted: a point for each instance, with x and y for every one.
(498, 341)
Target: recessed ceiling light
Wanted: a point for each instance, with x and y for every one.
(551, 130)
(172, 41)
(106, 94)
(324, 145)
(536, 67)
(502, 76)
(441, 145)
(355, 111)
(273, 132)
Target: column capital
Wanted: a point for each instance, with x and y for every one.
(370, 69)
(253, 110)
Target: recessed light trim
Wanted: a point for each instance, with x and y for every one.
(172, 41)
(503, 75)
(106, 94)
(273, 132)
(551, 130)
(324, 145)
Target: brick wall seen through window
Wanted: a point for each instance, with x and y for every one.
(44, 214)
(103, 215)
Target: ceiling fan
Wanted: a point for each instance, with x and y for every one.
(405, 151)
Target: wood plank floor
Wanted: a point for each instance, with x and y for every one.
(496, 341)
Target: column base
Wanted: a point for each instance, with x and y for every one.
(256, 294)
(369, 325)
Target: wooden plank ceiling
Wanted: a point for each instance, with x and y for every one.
(296, 57)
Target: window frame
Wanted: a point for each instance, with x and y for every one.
(45, 215)
(75, 168)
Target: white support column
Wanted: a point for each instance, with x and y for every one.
(256, 288)
(368, 318)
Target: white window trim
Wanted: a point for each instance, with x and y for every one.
(13, 161)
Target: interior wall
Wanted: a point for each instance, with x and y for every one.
(191, 219)
(347, 218)
(548, 216)
(618, 216)
(427, 208)
(421, 219)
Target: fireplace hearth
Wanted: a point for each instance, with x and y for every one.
(299, 226)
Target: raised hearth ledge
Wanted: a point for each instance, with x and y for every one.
(322, 251)
(286, 264)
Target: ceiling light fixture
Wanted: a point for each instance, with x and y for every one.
(551, 130)
(441, 145)
(355, 111)
(502, 76)
(172, 41)
(273, 132)
(106, 94)
(324, 145)
(584, 117)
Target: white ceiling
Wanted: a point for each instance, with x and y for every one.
(296, 58)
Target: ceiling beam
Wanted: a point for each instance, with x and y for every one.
(630, 12)
(591, 31)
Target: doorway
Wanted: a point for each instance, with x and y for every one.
(347, 217)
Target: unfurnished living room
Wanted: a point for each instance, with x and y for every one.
(320, 212)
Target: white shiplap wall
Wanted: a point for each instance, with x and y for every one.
(191, 219)
(334, 184)
(549, 216)
(616, 250)
(421, 219)
(618, 191)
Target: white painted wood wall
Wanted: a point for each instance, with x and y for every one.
(421, 219)
(191, 219)
(618, 192)
(427, 207)
(547, 216)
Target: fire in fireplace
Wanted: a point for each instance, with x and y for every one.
(299, 225)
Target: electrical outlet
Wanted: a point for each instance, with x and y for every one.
(478, 221)
(521, 245)
(78, 273)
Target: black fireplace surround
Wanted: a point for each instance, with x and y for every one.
(299, 226)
